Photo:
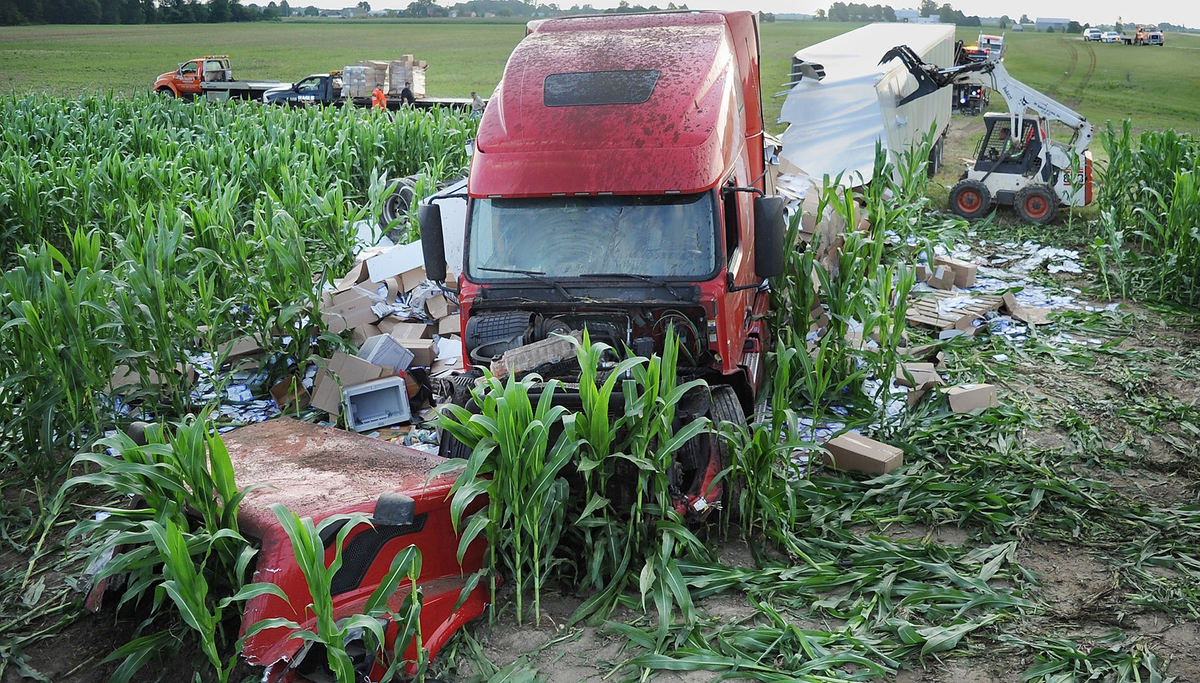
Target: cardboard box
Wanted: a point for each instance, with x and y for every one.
(1029, 316)
(858, 453)
(964, 273)
(349, 309)
(967, 397)
(923, 273)
(242, 346)
(123, 375)
(362, 333)
(438, 306)
(357, 274)
(446, 366)
(423, 351)
(402, 329)
(451, 324)
(967, 324)
(411, 278)
(290, 395)
(921, 373)
(342, 370)
(942, 278)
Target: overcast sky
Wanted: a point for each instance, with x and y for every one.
(1186, 12)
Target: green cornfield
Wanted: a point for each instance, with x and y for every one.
(136, 231)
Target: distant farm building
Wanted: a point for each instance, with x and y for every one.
(1051, 24)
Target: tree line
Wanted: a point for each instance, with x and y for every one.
(13, 12)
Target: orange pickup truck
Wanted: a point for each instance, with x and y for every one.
(209, 77)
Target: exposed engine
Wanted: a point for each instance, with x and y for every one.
(489, 334)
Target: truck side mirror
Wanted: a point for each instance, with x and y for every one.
(770, 225)
(433, 247)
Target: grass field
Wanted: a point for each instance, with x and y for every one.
(1154, 87)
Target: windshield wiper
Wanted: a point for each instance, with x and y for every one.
(644, 278)
(536, 275)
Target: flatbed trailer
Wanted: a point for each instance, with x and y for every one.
(327, 89)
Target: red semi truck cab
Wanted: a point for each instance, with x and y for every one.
(618, 185)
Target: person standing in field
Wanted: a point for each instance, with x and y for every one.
(477, 105)
(378, 99)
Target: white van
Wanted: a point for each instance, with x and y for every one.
(1092, 34)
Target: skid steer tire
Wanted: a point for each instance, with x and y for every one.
(1036, 204)
(970, 199)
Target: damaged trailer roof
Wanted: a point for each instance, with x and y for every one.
(835, 122)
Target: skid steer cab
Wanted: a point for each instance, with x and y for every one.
(1015, 165)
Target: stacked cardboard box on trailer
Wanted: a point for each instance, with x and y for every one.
(391, 76)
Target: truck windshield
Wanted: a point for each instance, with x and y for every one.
(671, 236)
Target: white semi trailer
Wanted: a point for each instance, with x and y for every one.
(841, 101)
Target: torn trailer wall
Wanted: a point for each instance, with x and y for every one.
(835, 122)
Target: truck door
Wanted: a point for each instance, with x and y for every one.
(308, 91)
(737, 213)
(189, 77)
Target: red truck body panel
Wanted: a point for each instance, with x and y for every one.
(318, 472)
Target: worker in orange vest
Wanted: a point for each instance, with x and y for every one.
(378, 99)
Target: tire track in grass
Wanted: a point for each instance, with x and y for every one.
(1087, 78)
(1074, 61)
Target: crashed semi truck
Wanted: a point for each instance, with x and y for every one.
(840, 102)
(618, 185)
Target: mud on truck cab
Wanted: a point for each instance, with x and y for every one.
(618, 185)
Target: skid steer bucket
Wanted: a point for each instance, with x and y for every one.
(318, 472)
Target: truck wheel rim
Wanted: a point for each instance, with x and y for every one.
(969, 200)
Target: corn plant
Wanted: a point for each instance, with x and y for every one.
(1147, 243)
(604, 538)
(516, 465)
(59, 351)
(187, 502)
(642, 458)
(189, 591)
(334, 634)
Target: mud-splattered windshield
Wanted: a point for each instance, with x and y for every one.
(671, 236)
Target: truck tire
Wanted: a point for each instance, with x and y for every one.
(727, 408)
(935, 158)
(1036, 204)
(970, 199)
(398, 201)
(165, 92)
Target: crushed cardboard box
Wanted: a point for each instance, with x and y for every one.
(404, 329)
(123, 376)
(942, 278)
(290, 394)
(451, 324)
(858, 453)
(1029, 316)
